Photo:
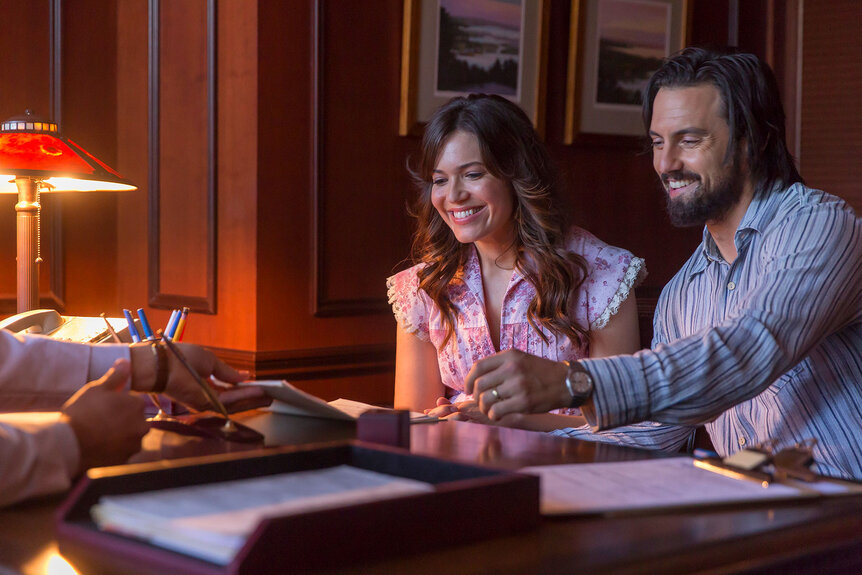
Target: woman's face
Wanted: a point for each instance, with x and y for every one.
(477, 206)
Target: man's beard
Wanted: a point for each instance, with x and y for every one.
(703, 205)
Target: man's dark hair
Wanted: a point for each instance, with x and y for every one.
(751, 105)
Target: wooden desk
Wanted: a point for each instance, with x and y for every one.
(815, 537)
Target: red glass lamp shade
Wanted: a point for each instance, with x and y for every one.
(34, 158)
(32, 148)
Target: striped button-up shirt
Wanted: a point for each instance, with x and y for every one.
(766, 347)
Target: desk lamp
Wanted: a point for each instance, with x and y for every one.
(34, 158)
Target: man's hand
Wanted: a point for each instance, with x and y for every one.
(182, 386)
(108, 422)
(512, 382)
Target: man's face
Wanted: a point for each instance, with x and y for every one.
(689, 142)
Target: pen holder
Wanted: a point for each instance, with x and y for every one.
(385, 427)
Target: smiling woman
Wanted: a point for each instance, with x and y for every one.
(497, 265)
(476, 205)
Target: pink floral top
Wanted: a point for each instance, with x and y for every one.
(612, 274)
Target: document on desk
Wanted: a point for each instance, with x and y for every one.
(622, 486)
(212, 521)
(293, 401)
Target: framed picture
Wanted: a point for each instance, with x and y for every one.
(614, 47)
(456, 47)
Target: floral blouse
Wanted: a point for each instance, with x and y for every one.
(612, 273)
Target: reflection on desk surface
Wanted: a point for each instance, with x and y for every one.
(809, 536)
(510, 448)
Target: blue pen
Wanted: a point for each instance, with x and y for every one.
(172, 324)
(145, 325)
(701, 453)
(170, 321)
(133, 331)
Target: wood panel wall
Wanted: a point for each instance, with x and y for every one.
(831, 121)
(305, 185)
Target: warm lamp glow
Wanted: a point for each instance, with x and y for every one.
(34, 158)
(34, 149)
(50, 562)
(7, 185)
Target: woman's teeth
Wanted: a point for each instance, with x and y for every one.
(464, 213)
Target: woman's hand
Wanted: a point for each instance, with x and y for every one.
(469, 411)
(444, 408)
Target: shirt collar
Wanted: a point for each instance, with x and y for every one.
(764, 205)
(760, 212)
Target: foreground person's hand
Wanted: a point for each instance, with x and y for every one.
(108, 422)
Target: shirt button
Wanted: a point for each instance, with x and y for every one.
(731, 286)
(741, 441)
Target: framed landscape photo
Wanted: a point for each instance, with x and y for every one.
(614, 48)
(457, 47)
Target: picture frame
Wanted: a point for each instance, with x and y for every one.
(429, 81)
(614, 47)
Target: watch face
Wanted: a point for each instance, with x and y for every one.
(582, 383)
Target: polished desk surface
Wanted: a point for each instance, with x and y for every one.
(803, 536)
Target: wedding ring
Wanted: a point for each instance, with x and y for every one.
(496, 395)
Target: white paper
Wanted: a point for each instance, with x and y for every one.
(293, 401)
(652, 483)
(213, 520)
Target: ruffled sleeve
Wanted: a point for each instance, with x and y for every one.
(612, 275)
(410, 305)
(634, 274)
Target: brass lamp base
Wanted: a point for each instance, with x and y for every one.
(27, 209)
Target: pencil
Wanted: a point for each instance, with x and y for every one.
(749, 475)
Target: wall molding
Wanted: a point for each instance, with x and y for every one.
(57, 293)
(157, 298)
(311, 364)
(322, 305)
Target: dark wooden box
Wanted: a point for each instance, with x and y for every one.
(488, 503)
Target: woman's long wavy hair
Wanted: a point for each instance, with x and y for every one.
(511, 151)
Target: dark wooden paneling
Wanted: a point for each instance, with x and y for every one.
(32, 65)
(275, 267)
(831, 152)
(359, 224)
(710, 23)
(89, 115)
(317, 363)
(64, 63)
(132, 155)
(754, 32)
(25, 58)
(360, 372)
(359, 181)
(182, 154)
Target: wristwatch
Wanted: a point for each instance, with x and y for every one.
(579, 382)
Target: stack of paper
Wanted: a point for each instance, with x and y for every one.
(212, 521)
(294, 401)
(661, 483)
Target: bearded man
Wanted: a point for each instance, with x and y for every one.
(759, 335)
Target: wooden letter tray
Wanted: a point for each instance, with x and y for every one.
(488, 503)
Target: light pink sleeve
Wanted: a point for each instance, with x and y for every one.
(38, 373)
(39, 455)
(409, 304)
(612, 275)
